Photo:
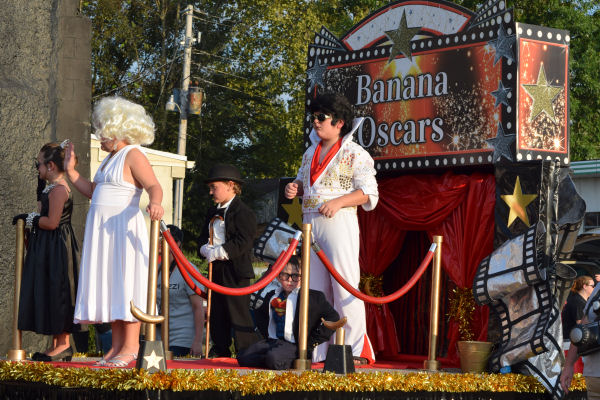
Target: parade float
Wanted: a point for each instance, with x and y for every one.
(466, 116)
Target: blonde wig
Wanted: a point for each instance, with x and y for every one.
(117, 118)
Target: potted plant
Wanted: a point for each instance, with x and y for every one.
(473, 354)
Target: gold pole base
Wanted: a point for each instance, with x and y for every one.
(16, 355)
(302, 364)
(431, 365)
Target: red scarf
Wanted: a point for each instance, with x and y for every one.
(316, 167)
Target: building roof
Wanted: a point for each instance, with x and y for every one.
(590, 168)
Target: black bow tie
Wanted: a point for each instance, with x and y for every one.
(220, 212)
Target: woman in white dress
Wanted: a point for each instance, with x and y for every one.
(114, 260)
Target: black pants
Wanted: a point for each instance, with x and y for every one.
(230, 315)
(269, 353)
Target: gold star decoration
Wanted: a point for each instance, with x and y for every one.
(401, 38)
(153, 360)
(517, 202)
(294, 210)
(542, 95)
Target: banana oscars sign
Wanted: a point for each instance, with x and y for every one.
(442, 86)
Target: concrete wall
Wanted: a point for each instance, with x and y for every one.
(45, 90)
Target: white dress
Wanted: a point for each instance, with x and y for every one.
(114, 260)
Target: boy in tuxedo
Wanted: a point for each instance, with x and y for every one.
(278, 320)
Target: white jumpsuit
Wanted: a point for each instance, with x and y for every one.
(349, 170)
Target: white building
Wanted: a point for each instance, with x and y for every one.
(586, 176)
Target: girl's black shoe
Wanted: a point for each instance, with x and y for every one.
(65, 355)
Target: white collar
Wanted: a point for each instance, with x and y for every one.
(293, 292)
(314, 138)
(226, 205)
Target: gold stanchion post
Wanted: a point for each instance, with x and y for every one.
(303, 362)
(164, 298)
(16, 353)
(151, 356)
(434, 308)
(152, 279)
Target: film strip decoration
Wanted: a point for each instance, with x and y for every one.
(524, 319)
(546, 367)
(506, 270)
(275, 239)
(490, 13)
(511, 282)
(327, 41)
(571, 211)
(527, 301)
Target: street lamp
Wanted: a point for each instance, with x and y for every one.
(171, 104)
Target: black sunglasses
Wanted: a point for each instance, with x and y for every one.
(285, 276)
(36, 163)
(321, 117)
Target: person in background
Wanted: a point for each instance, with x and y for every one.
(186, 308)
(572, 312)
(49, 279)
(114, 259)
(591, 369)
(278, 320)
(230, 251)
(337, 176)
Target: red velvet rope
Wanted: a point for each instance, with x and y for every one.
(184, 264)
(190, 282)
(370, 299)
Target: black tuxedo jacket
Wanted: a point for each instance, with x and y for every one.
(240, 231)
(318, 307)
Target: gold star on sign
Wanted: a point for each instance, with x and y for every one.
(517, 202)
(401, 38)
(542, 96)
(294, 210)
(153, 360)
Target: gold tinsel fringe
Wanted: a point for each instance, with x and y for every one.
(371, 285)
(461, 309)
(262, 382)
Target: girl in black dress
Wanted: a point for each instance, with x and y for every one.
(49, 281)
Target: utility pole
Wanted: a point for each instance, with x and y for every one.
(183, 112)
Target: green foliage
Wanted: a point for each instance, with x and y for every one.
(251, 63)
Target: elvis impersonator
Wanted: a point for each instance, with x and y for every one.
(335, 177)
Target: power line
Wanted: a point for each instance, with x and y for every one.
(231, 24)
(132, 81)
(229, 88)
(162, 88)
(214, 55)
(219, 71)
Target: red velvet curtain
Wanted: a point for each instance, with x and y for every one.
(380, 321)
(458, 207)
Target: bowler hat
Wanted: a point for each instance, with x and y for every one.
(224, 172)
